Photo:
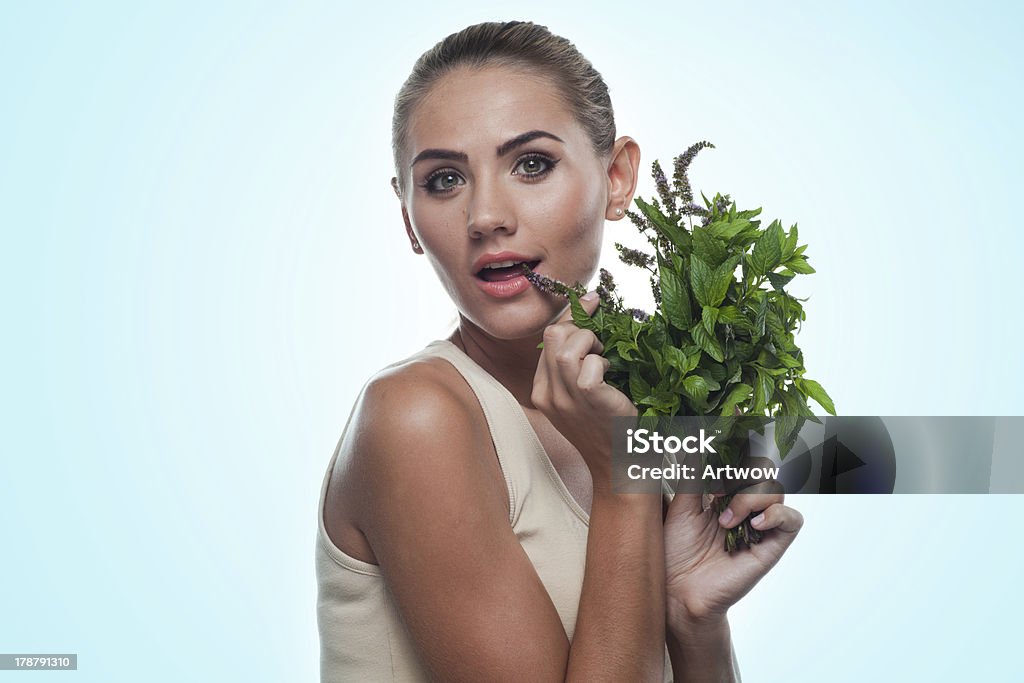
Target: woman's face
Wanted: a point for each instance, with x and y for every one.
(500, 174)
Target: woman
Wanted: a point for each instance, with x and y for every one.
(468, 527)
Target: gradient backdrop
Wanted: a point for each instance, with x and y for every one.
(202, 261)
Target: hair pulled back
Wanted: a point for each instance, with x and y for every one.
(515, 44)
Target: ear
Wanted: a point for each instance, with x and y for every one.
(623, 170)
(412, 236)
(405, 219)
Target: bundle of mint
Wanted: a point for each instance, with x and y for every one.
(721, 339)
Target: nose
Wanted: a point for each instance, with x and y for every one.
(489, 211)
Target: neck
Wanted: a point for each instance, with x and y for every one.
(513, 362)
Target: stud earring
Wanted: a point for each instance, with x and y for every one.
(416, 245)
(618, 211)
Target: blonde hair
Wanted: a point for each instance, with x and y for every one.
(514, 44)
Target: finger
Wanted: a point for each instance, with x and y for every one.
(596, 392)
(555, 336)
(779, 525)
(577, 345)
(556, 333)
(591, 375)
(566, 362)
(742, 504)
(779, 516)
(549, 387)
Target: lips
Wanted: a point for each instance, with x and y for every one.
(501, 274)
(504, 270)
(501, 266)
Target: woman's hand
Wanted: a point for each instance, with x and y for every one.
(702, 579)
(570, 390)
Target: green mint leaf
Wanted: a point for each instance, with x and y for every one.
(696, 388)
(679, 237)
(799, 264)
(790, 244)
(767, 250)
(720, 279)
(709, 249)
(786, 359)
(729, 315)
(638, 386)
(786, 429)
(700, 279)
(677, 359)
(707, 342)
(709, 378)
(763, 389)
(726, 230)
(737, 395)
(762, 313)
(817, 392)
(779, 281)
(709, 315)
(580, 316)
(675, 296)
(626, 349)
(795, 403)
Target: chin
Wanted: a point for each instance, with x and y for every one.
(510, 322)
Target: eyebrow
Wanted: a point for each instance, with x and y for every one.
(502, 149)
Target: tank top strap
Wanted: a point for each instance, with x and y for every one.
(520, 454)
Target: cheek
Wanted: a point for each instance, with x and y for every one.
(587, 246)
(433, 223)
(582, 214)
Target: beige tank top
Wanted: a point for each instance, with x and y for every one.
(362, 636)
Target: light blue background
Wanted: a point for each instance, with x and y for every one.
(201, 263)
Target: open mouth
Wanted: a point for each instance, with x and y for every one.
(504, 270)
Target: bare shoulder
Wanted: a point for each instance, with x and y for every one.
(414, 428)
(416, 397)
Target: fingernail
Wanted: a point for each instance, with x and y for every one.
(757, 521)
(725, 517)
(589, 296)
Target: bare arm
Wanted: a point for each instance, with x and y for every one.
(436, 517)
(619, 635)
(703, 652)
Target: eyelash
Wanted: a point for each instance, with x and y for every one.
(548, 161)
(529, 177)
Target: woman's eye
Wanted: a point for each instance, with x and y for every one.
(446, 181)
(533, 166)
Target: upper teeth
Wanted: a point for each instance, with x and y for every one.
(501, 264)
